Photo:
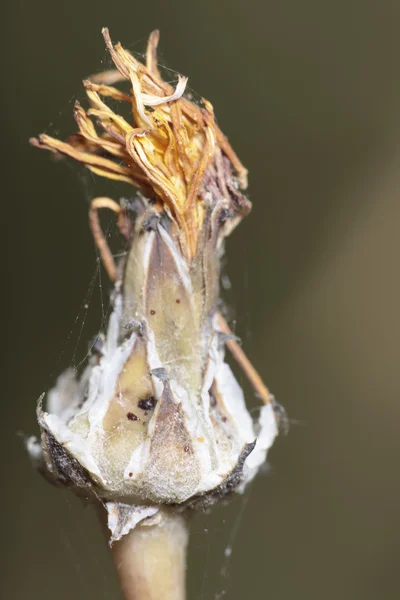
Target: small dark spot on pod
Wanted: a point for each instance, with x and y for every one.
(130, 474)
(186, 448)
(147, 403)
(152, 312)
(224, 419)
(132, 417)
(223, 216)
(177, 301)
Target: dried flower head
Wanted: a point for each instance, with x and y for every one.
(166, 151)
(157, 418)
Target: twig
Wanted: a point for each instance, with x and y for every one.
(151, 560)
(242, 360)
(98, 235)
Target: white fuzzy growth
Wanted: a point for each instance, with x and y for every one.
(64, 399)
(268, 430)
(102, 383)
(202, 439)
(104, 376)
(180, 264)
(132, 516)
(74, 443)
(34, 448)
(154, 361)
(147, 251)
(234, 403)
(210, 462)
(103, 388)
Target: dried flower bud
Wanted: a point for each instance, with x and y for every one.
(158, 417)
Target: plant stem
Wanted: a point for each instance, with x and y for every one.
(151, 560)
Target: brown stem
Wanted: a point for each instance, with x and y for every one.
(242, 360)
(151, 560)
(98, 235)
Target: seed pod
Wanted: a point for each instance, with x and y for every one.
(158, 417)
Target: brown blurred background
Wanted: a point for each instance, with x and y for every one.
(309, 94)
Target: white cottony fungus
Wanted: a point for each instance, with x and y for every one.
(158, 421)
(124, 517)
(157, 417)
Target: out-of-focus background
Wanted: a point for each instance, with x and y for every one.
(309, 94)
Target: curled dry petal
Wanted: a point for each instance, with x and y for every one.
(166, 148)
